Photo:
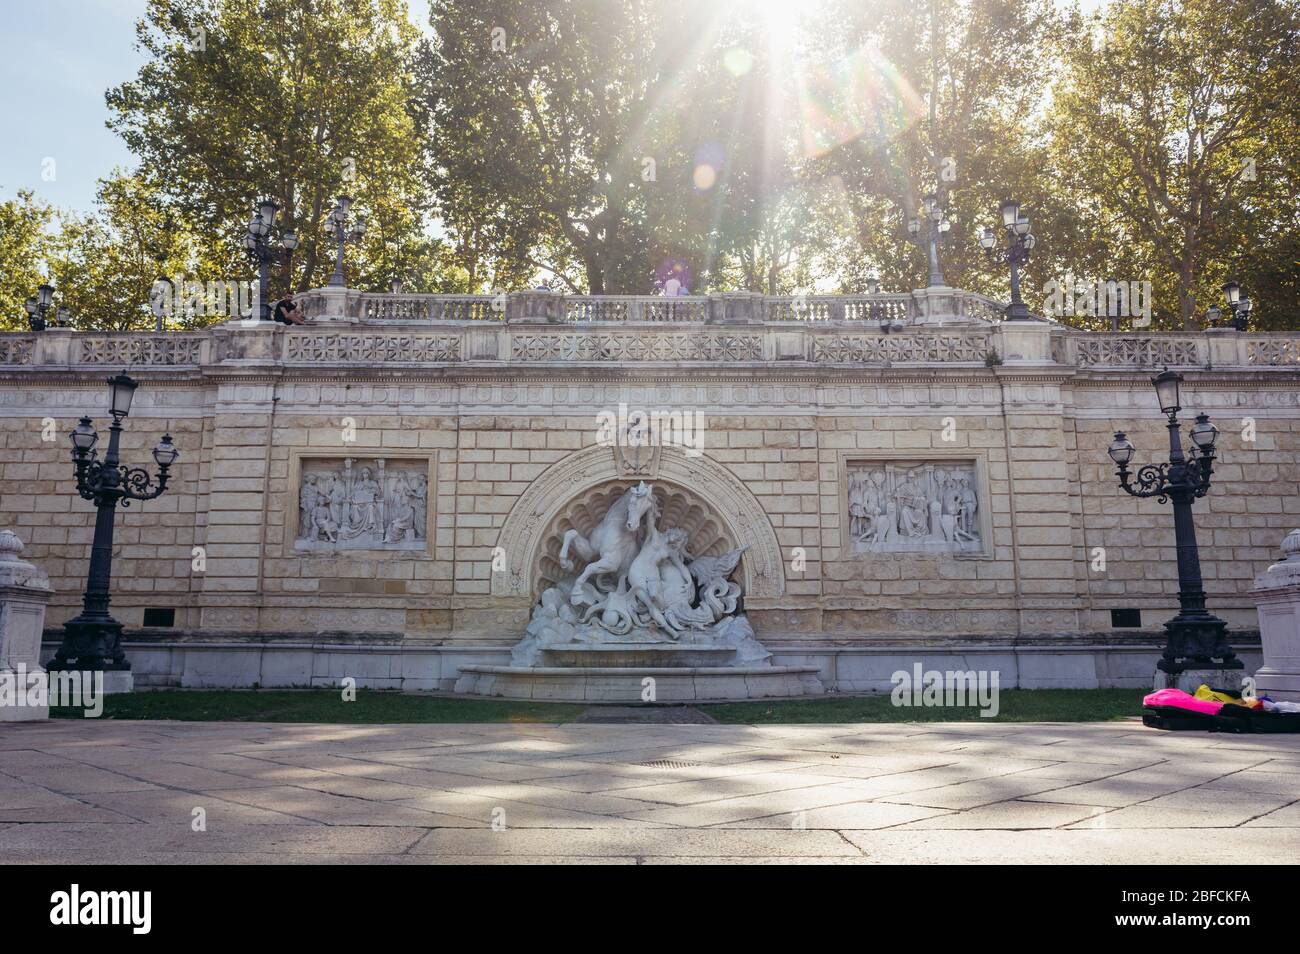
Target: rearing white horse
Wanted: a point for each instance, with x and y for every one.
(613, 544)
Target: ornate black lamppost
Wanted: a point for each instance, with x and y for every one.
(93, 640)
(1195, 637)
(262, 250)
(337, 222)
(39, 305)
(1240, 307)
(936, 233)
(1020, 242)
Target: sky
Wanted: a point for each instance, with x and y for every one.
(61, 56)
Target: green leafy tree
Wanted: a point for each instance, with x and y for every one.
(105, 263)
(1175, 125)
(296, 100)
(23, 247)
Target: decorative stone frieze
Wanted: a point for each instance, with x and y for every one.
(362, 503)
(625, 347)
(894, 349)
(913, 507)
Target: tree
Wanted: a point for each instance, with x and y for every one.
(296, 100)
(1177, 123)
(547, 115)
(928, 97)
(106, 263)
(23, 246)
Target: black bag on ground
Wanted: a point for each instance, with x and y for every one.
(1178, 720)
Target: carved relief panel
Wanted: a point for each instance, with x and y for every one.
(914, 506)
(363, 503)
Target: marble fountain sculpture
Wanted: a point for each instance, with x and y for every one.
(638, 617)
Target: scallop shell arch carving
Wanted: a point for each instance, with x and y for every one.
(707, 499)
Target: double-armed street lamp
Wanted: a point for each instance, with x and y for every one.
(337, 223)
(93, 640)
(1238, 305)
(1195, 637)
(1019, 243)
(262, 250)
(936, 227)
(39, 305)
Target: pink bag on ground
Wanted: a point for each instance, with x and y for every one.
(1182, 700)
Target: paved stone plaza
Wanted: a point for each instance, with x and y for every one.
(126, 792)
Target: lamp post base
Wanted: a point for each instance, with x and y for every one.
(1189, 680)
(1197, 642)
(91, 643)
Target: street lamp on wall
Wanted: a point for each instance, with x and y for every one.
(1020, 243)
(934, 223)
(1238, 305)
(261, 250)
(93, 640)
(1195, 638)
(39, 305)
(336, 223)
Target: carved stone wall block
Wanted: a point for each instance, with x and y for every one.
(362, 503)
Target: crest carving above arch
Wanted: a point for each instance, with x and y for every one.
(712, 494)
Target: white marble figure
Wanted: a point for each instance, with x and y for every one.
(613, 544)
(641, 585)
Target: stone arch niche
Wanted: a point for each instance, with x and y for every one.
(695, 493)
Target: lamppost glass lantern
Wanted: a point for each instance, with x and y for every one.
(121, 391)
(289, 240)
(165, 453)
(1121, 449)
(46, 295)
(1167, 383)
(1203, 433)
(1010, 213)
(267, 209)
(83, 436)
(1231, 292)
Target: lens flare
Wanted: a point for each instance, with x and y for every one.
(708, 166)
(863, 95)
(738, 61)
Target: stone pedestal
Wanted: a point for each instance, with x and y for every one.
(1277, 599)
(1024, 342)
(1189, 680)
(335, 305)
(24, 591)
(535, 306)
(936, 305)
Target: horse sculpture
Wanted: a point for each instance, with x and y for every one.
(613, 544)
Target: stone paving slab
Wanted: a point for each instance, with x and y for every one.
(125, 792)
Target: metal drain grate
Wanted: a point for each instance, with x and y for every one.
(667, 763)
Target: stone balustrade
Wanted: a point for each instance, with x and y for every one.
(932, 326)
